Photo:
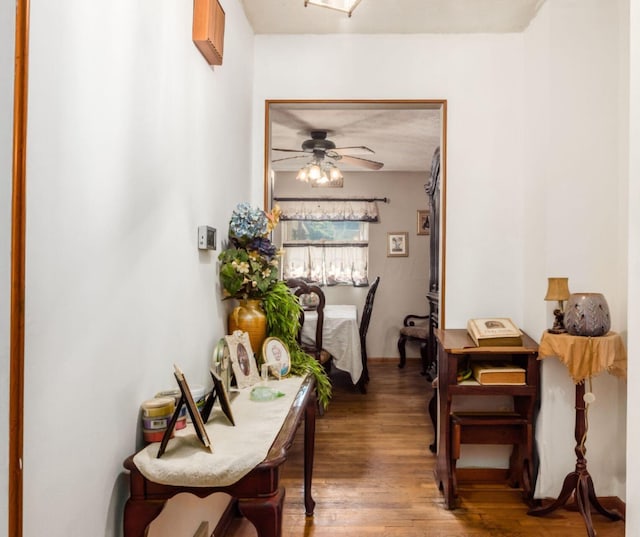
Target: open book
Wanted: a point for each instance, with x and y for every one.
(494, 332)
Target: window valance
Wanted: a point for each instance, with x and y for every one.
(344, 210)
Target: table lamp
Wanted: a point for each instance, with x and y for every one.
(558, 289)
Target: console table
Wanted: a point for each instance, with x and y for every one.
(584, 357)
(455, 346)
(259, 493)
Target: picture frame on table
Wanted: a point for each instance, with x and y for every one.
(276, 356)
(424, 222)
(243, 363)
(218, 392)
(397, 244)
(186, 398)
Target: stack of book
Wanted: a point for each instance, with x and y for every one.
(494, 332)
(499, 373)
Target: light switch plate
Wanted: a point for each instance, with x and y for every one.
(206, 238)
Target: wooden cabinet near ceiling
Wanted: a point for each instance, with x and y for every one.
(208, 29)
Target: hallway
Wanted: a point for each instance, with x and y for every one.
(373, 474)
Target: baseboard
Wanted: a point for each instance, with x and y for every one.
(614, 503)
(467, 476)
(382, 360)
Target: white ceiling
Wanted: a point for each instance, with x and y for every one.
(401, 137)
(392, 17)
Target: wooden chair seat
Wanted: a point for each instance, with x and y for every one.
(415, 332)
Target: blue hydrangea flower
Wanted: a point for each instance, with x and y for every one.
(247, 222)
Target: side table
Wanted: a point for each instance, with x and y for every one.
(259, 493)
(455, 346)
(584, 358)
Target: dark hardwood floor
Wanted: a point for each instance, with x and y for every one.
(373, 474)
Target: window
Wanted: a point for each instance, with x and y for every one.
(329, 252)
(327, 240)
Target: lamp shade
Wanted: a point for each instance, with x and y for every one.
(558, 289)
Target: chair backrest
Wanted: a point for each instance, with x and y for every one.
(366, 311)
(306, 292)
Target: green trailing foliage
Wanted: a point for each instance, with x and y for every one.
(283, 321)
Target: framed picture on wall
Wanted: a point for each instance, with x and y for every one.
(397, 244)
(424, 222)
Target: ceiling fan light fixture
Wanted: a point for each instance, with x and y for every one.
(346, 6)
(315, 171)
(331, 177)
(303, 175)
(333, 172)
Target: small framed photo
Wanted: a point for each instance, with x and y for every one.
(276, 356)
(243, 364)
(218, 392)
(424, 222)
(397, 244)
(196, 418)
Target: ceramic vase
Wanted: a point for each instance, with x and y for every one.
(587, 314)
(249, 317)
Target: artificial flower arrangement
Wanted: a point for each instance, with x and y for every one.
(249, 267)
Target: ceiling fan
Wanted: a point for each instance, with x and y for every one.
(321, 147)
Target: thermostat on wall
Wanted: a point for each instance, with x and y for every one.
(206, 238)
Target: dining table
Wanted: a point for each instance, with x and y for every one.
(340, 336)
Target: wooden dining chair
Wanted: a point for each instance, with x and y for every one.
(312, 299)
(415, 328)
(364, 327)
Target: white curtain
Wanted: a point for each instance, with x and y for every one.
(352, 210)
(327, 265)
(343, 261)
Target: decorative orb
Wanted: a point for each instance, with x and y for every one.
(587, 314)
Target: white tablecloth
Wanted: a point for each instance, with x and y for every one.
(340, 336)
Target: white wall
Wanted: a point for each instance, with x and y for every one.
(576, 148)
(134, 141)
(633, 423)
(481, 77)
(403, 280)
(519, 150)
(7, 38)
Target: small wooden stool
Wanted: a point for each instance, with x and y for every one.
(496, 428)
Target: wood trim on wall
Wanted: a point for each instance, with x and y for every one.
(18, 240)
(443, 218)
(442, 103)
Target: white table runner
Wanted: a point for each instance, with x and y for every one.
(236, 450)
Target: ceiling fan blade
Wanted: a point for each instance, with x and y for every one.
(353, 149)
(365, 163)
(287, 150)
(289, 158)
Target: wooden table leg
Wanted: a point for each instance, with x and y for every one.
(433, 414)
(579, 482)
(309, 451)
(138, 514)
(264, 513)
